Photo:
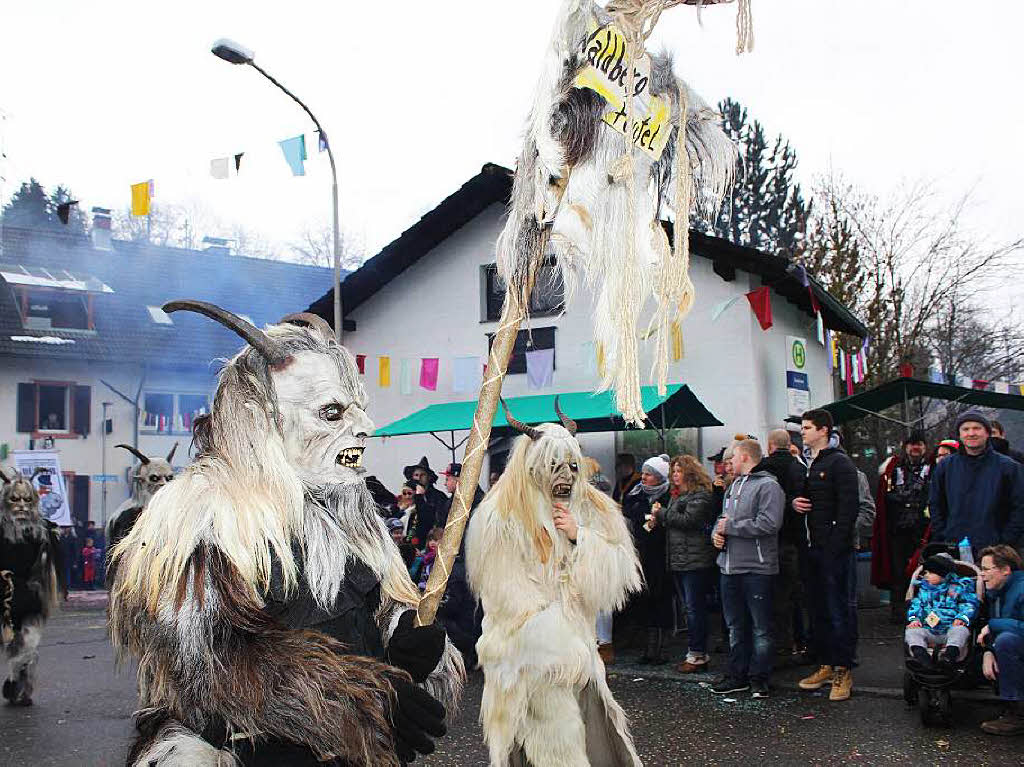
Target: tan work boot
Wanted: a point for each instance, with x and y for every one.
(842, 684)
(818, 679)
(1011, 722)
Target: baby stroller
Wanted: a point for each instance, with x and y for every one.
(929, 688)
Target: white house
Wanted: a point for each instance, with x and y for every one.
(431, 293)
(79, 315)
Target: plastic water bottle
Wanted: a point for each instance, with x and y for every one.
(965, 550)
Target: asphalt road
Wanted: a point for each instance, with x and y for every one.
(83, 708)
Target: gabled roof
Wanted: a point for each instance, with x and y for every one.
(139, 275)
(493, 184)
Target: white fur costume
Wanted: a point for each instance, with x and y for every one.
(545, 700)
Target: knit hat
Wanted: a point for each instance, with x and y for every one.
(394, 524)
(657, 464)
(975, 416)
(952, 444)
(940, 564)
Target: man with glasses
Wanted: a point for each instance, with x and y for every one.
(1003, 637)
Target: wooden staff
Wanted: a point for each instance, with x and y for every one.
(513, 313)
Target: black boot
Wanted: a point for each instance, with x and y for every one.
(922, 657)
(652, 655)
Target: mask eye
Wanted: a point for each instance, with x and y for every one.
(573, 468)
(154, 477)
(332, 412)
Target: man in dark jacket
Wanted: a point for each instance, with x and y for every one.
(831, 501)
(431, 503)
(977, 494)
(790, 474)
(900, 520)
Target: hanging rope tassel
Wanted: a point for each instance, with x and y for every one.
(744, 28)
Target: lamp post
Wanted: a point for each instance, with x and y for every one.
(233, 53)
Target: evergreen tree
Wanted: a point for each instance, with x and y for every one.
(31, 208)
(766, 210)
(76, 215)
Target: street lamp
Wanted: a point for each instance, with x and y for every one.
(233, 53)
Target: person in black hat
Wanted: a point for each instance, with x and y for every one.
(977, 494)
(900, 520)
(626, 476)
(451, 476)
(431, 503)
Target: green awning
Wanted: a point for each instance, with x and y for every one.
(678, 409)
(893, 393)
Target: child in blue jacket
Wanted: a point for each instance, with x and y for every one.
(941, 612)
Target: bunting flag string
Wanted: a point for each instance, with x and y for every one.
(64, 211)
(361, 364)
(761, 302)
(677, 342)
(428, 373)
(384, 372)
(295, 153)
(221, 167)
(540, 366)
(141, 195)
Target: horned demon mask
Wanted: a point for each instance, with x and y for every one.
(151, 474)
(296, 377)
(552, 456)
(20, 498)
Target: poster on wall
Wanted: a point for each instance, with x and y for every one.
(798, 390)
(53, 495)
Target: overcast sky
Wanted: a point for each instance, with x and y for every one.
(416, 96)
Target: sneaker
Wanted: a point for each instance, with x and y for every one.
(728, 684)
(920, 657)
(1011, 722)
(842, 684)
(818, 679)
(758, 689)
(690, 667)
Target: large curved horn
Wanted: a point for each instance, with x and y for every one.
(255, 337)
(311, 320)
(170, 455)
(567, 422)
(138, 454)
(519, 426)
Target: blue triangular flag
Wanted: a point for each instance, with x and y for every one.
(323, 140)
(294, 153)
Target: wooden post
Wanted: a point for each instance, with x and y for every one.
(513, 313)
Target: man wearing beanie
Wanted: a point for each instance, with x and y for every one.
(977, 494)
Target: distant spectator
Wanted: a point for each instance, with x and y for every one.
(383, 497)
(900, 520)
(788, 597)
(626, 476)
(597, 477)
(407, 550)
(945, 449)
(978, 493)
(1003, 637)
(655, 603)
(747, 534)
(88, 564)
(1002, 444)
(605, 619)
(425, 562)
(690, 556)
(451, 476)
(431, 503)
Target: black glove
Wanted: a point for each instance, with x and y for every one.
(416, 649)
(417, 717)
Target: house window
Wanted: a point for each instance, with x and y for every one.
(527, 340)
(54, 409)
(171, 413)
(159, 316)
(53, 310)
(547, 298)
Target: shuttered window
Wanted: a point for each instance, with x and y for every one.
(54, 408)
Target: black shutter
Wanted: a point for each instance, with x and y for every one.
(82, 410)
(26, 407)
(80, 498)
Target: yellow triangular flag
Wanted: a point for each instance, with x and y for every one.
(140, 199)
(385, 372)
(600, 360)
(677, 342)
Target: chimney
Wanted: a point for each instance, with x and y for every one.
(101, 228)
(218, 246)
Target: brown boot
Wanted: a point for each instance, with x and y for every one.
(842, 684)
(818, 679)
(607, 653)
(1010, 723)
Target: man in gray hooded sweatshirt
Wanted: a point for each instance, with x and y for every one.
(747, 534)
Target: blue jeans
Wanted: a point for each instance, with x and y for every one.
(1009, 649)
(747, 603)
(829, 587)
(693, 587)
(852, 601)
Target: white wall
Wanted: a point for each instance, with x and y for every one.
(85, 456)
(433, 309)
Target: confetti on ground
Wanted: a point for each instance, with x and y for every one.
(942, 743)
(639, 679)
(729, 700)
(809, 716)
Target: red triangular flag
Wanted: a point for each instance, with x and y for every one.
(761, 302)
(849, 376)
(980, 384)
(361, 363)
(814, 300)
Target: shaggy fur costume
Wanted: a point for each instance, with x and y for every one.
(545, 701)
(260, 590)
(604, 214)
(29, 566)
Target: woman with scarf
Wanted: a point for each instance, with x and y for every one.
(654, 606)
